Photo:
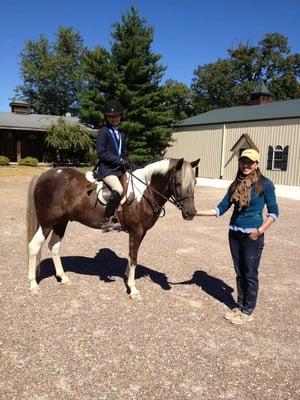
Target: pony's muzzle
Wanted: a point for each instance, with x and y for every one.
(188, 215)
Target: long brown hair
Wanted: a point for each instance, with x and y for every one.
(258, 183)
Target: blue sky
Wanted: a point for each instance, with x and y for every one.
(187, 33)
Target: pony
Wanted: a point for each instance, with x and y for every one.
(61, 194)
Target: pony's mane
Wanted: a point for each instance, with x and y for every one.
(161, 167)
(145, 174)
(187, 178)
(157, 167)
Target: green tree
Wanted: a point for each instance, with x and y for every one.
(131, 73)
(214, 86)
(138, 88)
(51, 73)
(177, 97)
(100, 79)
(229, 82)
(69, 139)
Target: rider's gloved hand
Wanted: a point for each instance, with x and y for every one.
(125, 163)
(132, 166)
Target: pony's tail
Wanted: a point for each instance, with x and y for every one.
(32, 222)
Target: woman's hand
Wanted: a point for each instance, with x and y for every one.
(206, 213)
(254, 235)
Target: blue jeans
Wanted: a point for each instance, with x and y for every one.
(246, 254)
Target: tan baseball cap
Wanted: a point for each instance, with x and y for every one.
(252, 154)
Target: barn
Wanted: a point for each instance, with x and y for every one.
(23, 134)
(218, 137)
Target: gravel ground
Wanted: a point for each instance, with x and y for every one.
(90, 341)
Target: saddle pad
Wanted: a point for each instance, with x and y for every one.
(100, 186)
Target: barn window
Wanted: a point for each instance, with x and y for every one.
(278, 158)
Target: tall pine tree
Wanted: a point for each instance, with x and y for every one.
(99, 83)
(131, 73)
(138, 88)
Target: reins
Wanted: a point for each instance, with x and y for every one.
(173, 199)
(156, 208)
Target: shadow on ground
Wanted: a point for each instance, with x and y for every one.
(106, 264)
(212, 286)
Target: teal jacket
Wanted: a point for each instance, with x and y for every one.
(251, 217)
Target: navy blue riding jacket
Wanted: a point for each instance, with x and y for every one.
(110, 152)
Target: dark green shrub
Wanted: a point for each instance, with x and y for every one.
(30, 161)
(4, 160)
(91, 157)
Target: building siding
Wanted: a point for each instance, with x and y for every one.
(206, 142)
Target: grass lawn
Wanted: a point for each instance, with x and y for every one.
(11, 171)
(7, 171)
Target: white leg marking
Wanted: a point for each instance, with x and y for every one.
(130, 273)
(54, 246)
(33, 248)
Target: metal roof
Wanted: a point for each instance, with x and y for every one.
(269, 111)
(33, 122)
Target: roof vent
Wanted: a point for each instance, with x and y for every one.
(260, 95)
(19, 107)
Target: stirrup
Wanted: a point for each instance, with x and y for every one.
(109, 225)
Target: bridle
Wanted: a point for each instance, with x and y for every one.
(174, 199)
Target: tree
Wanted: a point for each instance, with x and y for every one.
(69, 139)
(131, 73)
(139, 87)
(51, 73)
(177, 99)
(100, 81)
(214, 86)
(229, 82)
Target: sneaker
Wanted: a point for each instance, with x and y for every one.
(231, 313)
(241, 319)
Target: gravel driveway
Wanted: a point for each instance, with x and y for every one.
(90, 341)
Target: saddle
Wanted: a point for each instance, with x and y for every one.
(104, 192)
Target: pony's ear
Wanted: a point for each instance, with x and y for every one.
(195, 163)
(179, 164)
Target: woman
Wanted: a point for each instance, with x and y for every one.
(113, 160)
(249, 193)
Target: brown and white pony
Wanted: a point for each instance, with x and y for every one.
(60, 195)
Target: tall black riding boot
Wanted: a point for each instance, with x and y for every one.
(110, 209)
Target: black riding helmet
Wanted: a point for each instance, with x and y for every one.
(113, 107)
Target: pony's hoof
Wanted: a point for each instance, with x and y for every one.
(65, 281)
(135, 296)
(34, 290)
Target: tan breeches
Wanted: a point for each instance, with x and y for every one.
(114, 184)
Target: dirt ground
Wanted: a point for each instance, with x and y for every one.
(90, 341)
